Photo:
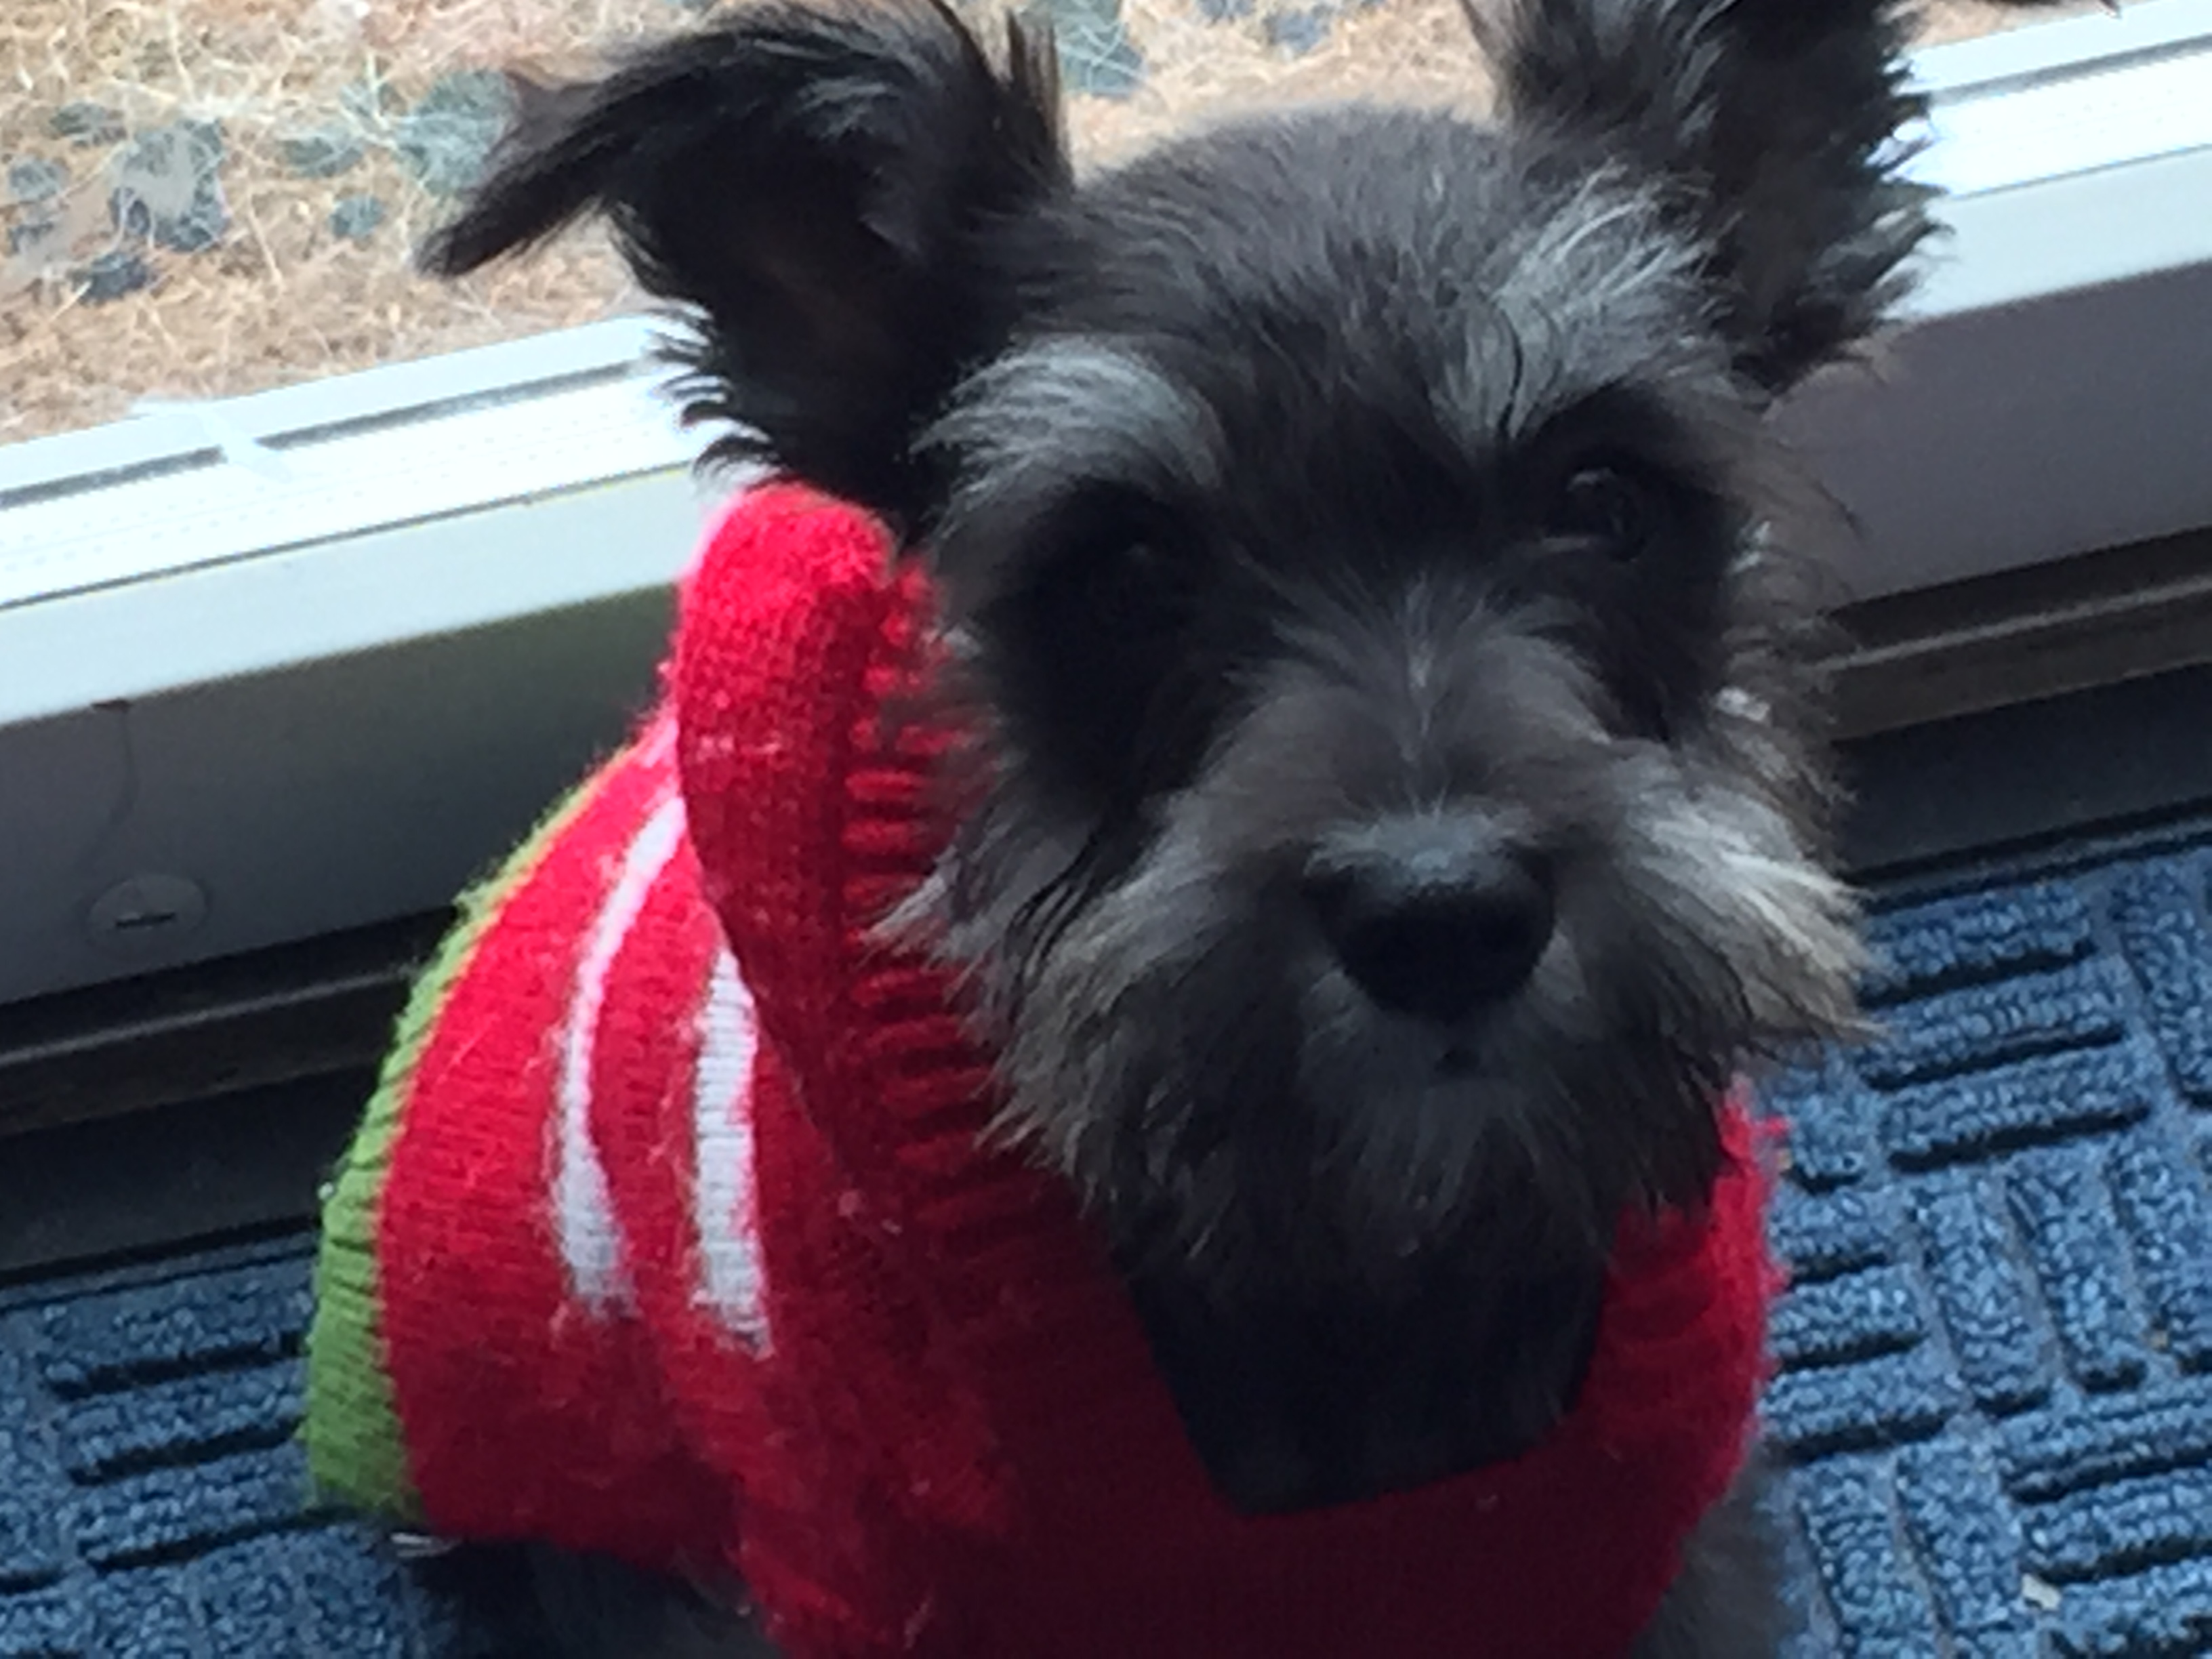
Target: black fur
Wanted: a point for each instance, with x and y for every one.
(812, 186)
(1763, 114)
(1395, 810)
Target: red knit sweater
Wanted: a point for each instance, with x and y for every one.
(687, 1248)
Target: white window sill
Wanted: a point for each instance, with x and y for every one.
(323, 651)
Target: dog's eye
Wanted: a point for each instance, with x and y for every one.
(1143, 559)
(1605, 507)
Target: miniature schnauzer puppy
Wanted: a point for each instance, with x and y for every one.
(1397, 811)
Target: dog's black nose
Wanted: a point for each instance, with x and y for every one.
(1431, 918)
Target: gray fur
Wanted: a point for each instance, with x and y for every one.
(1721, 1605)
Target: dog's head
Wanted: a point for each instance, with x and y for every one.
(1399, 809)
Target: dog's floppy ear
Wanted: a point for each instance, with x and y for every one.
(1772, 125)
(815, 183)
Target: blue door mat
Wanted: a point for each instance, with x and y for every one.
(1995, 1385)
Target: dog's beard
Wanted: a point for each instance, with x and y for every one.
(1231, 1105)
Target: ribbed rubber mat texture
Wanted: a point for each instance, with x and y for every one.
(1995, 1358)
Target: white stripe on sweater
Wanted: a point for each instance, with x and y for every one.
(724, 1219)
(591, 1238)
